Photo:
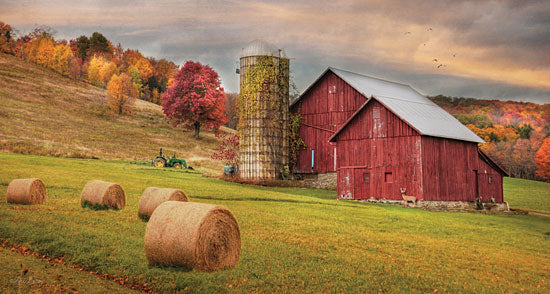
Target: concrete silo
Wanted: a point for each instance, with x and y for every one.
(263, 111)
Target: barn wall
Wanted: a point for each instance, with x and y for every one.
(326, 106)
(449, 169)
(378, 154)
(489, 182)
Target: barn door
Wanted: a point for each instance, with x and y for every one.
(345, 183)
(481, 183)
(362, 183)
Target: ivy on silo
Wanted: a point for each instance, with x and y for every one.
(263, 83)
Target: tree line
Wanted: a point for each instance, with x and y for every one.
(93, 59)
(516, 134)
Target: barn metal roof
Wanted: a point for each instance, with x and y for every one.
(417, 110)
(262, 48)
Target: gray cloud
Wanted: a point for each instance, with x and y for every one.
(491, 37)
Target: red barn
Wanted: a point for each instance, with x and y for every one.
(384, 138)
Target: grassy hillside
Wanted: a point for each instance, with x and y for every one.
(293, 240)
(47, 114)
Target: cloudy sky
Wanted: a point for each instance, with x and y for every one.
(489, 49)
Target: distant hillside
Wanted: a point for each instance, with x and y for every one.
(43, 113)
(514, 131)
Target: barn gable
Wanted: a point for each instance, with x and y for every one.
(323, 108)
(374, 116)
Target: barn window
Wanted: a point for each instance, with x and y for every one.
(388, 177)
(332, 89)
(312, 158)
(366, 178)
(490, 180)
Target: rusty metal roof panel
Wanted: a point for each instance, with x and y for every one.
(419, 111)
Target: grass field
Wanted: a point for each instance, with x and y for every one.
(528, 195)
(43, 113)
(293, 239)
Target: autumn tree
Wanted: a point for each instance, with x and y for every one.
(120, 93)
(195, 98)
(118, 54)
(42, 51)
(6, 39)
(75, 68)
(165, 73)
(134, 73)
(231, 110)
(94, 69)
(155, 96)
(108, 69)
(145, 69)
(542, 160)
(62, 59)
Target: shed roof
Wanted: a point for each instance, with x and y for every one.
(415, 109)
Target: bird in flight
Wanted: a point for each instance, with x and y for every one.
(429, 29)
(407, 33)
(441, 65)
(435, 60)
(454, 55)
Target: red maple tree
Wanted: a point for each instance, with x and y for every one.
(195, 98)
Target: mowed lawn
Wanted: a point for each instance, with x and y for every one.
(293, 240)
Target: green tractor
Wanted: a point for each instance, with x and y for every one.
(161, 161)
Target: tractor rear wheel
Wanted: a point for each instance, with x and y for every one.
(177, 165)
(159, 162)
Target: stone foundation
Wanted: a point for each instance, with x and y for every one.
(446, 205)
(320, 181)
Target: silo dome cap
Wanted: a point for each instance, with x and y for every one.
(262, 48)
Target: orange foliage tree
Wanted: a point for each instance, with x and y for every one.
(120, 93)
(107, 70)
(542, 160)
(145, 69)
(41, 51)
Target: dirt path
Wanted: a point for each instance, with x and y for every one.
(539, 214)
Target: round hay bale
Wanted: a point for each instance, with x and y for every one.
(103, 195)
(26, 191)
(153, 197)
(194, 235)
